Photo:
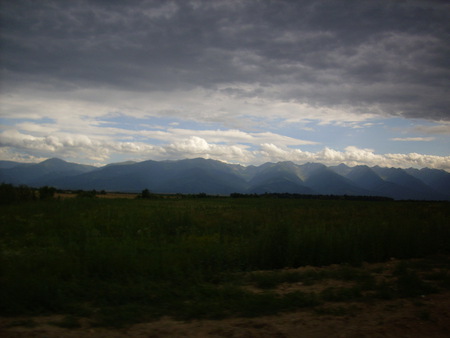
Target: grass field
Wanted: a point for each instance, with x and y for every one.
(120, 261)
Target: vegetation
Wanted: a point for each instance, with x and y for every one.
(120, 261)
(11, 194)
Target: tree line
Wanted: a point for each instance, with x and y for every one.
(23, 193)
(11, 194)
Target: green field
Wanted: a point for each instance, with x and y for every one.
(124, 260)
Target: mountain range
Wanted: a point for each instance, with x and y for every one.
(192, 176)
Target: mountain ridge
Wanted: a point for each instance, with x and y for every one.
(209, 176)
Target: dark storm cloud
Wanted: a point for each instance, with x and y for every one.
(392, 55)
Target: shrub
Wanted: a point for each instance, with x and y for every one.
(46, 193)
(11, 194)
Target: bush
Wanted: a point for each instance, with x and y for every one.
(86, 194)
(147, 194)
(46, 193)
(10, 194)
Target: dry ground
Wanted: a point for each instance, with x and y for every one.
(428, 317)
(422, 316)
(64, 195)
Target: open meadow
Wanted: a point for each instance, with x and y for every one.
(116, 262)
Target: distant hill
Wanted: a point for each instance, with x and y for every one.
(191, 176)
(40, 174)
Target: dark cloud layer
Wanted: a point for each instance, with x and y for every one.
(387, 56)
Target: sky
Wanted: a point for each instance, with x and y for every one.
(360, 82)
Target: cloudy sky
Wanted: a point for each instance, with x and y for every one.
(242, 81)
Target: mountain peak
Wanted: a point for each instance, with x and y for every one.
(53, 160)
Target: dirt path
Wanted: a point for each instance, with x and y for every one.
(423, 317)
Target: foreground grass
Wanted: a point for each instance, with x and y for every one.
(122, 261)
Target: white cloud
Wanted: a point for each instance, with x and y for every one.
(194, 144)
(352, 156)
(230, 136)
(66, 145)
(80, 109)
(198, 147)
(413, 139)
(17, 146)
(11, 155)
